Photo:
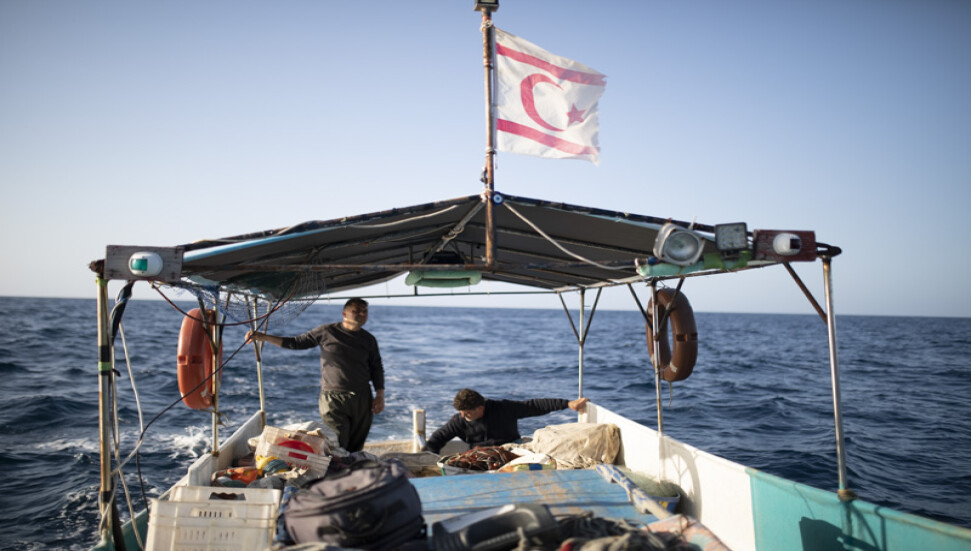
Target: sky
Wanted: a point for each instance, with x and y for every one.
(161, 123)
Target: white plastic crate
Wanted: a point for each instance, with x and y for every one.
(195, 518)
(216, 494)
(269, 445)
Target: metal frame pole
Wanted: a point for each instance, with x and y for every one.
(843, 492)
(258, 349)
(581, 339)
(209, 326)
(214, 339)
(581, 333)
(656, 360)
(488, 176)
(105, 380)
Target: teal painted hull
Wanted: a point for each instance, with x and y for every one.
(140, 524)
(794, 516)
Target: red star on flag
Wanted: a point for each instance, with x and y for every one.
(575, 115)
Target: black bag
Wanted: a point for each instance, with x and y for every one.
(371, 505)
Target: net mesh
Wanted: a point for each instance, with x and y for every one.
(291, 297)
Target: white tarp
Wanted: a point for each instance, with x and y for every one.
(577, 445)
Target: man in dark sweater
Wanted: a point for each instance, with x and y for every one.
(482, 422)
(350, 364)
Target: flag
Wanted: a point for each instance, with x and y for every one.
(546, 105)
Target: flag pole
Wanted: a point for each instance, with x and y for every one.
(488, 173)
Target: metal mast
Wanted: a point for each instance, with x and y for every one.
(486, 7)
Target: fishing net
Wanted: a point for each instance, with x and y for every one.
(480, 458)
(587, 532)
(292, 295)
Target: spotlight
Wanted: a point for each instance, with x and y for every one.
(677, 245)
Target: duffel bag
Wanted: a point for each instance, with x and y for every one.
(370, 505)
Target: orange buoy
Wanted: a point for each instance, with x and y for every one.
(195, 361)
(676, 366)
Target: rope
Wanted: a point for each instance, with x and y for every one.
(406, 220)
(279, 304)
(558, 246)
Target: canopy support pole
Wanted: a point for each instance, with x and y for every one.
(843, 492)
(214, 341)
(581, 334)
(258, 349)
(655, 362)
(805, 290)
(656, 357)
(581, 340)
(653, 344)
(110, 526)
(105, 376)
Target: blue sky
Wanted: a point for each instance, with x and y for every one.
(160, 123)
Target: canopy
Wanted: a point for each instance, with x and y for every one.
(541, 244)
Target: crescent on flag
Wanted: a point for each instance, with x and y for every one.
(529, 101)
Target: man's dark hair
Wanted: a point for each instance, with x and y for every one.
(467, 399)
(355, 302)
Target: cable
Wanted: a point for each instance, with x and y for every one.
(279, 304)
(141, 423)
(558, 246)
(406, 220)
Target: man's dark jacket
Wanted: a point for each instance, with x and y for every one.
(498, 425)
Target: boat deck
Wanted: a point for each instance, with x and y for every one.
(565, 492)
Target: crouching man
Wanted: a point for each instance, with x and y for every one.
(484, 422)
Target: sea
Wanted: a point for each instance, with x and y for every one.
(760, 395)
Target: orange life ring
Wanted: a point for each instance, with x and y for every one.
(676, 367)
(194, 360)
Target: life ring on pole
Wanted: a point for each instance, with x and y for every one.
(676, 366)
(195, 361)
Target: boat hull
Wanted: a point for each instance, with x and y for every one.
(745, 508)
(752, 510)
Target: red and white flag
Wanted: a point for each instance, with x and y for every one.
(546, 104)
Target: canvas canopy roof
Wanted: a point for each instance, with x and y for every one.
(540, 244)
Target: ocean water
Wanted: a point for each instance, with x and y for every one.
(759, 395)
